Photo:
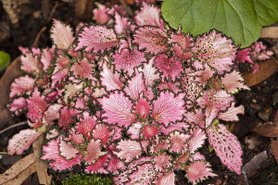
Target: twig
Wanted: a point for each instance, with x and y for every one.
(13, 126)
(36, 41)
(3, 153)
(52, 12)
(126, 7)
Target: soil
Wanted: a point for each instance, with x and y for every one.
(260, 103)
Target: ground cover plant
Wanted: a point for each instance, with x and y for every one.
(132, 98)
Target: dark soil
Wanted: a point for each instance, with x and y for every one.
(260, 103)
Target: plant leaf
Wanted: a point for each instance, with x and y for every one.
(20, 171)
(241, 20)
(4, 60)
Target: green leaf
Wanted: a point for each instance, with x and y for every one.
(240, 19)
(4, 60)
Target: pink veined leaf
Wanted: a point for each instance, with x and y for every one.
(197, 156)
(24, 84)
(178, 141)
(168, 108)
(75, 137)
(143, 175)
(99, 166)
(150, 73)
(173, 86)
(36, 106)
(197, 139)
(260, 52)
(22, 141)
(169, 67)
(62, 63)
(29, 63)
(198, 171)
(67, 117)
(197, 118)
(51, 152)
(128, 59)
(216, 50)
(142, 108)
(102, 132)
(166, 179)
(184, 41)
(202, 76)
(149, 15)
(162, 162)
(52, 113)
(150, 131)
(134, 130)
(115, 164)
(233, 82)
(117, 133)
(82, 69)
(182, 53)
(100, 14)
(213, 102)
(67, 150)
(58, 77)
(86, 125)
(51, 134)
(160, 146)
(46, 58)
(117, 109)
(226, 146)
(121, 24)
(153, 39)
(71, 90)
(61, 35)
(128, 150)
(182, 45)
(97, 38)
(18, 104)
(135, 86)
(109, 79)
(191, 87)
(93, 151)
(80, 103)
(179, 126)
(232, 113)
(244, 56)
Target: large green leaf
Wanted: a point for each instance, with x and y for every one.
(240, 19)
(4, 60)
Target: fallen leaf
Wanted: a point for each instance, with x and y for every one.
(251, 167)
(268, 129)
(41, 166)
(83, 9)
(270, 32)
(130, 2)
(267, 68)
(274, 148)
(20, 171)
(10, 74)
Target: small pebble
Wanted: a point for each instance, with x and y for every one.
(255, 106)
(264, 115)
(37, 14)
(254, 100)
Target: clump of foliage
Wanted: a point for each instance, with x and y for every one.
(131, 98)
(4, 60)
(241, 20)
(79, 179)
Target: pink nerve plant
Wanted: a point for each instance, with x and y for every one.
(131, 98)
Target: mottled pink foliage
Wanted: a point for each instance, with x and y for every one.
(132, 98)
